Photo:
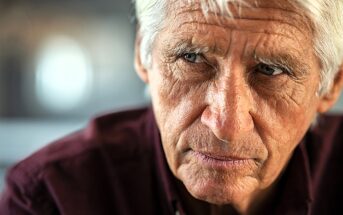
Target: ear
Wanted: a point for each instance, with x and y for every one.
(139, 67)
(330, 98)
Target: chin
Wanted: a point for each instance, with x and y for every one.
(219, 188)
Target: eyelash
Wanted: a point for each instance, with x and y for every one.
(261, 66)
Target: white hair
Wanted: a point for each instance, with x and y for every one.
(326, 17)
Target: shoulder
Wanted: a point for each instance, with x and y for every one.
(325, 153)
(325, 136)
(324, 139)
(118, 131)
(67, 167)
(329, 124)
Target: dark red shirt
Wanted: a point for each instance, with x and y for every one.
(117, 166)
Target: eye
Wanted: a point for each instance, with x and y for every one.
(193, 57)
(269, 70)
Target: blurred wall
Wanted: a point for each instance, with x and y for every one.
(105, 36)
(61, 62)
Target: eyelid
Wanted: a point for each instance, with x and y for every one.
(204, 60)
(276, 67)
(201, 57)
(276, 64)
(284, 68)
(270, 69)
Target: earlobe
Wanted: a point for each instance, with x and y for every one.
(330, 98)
(139, 67)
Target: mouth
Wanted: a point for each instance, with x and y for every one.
(219, 161)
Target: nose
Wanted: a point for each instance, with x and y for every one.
(228, 113)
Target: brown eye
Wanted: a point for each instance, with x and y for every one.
(193, 58)
(269, 70)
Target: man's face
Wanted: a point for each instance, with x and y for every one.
(233, 97)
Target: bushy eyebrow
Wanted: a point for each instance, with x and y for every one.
(186, 46)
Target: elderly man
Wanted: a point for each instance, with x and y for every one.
(238, 90)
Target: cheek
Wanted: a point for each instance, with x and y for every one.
(288, 109)
(177, 104)
(283, 121)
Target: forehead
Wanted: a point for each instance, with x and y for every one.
(243, 14)
(277, 22)
(221, 5)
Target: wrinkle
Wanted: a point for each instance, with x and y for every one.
(255, 15)
(200, 138)
(196, 7)
(246, 41)
(234, 27)
(230, 44)
(293, 97)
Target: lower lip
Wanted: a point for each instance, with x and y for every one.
(222, 162)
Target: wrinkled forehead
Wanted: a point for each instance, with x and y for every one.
(283, 28)
(288, 11)
(218, 6)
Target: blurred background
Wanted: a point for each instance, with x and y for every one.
(61, 62)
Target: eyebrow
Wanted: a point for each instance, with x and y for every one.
(185, 46)
(284, 59)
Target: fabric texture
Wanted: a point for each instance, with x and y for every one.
(116, 165)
